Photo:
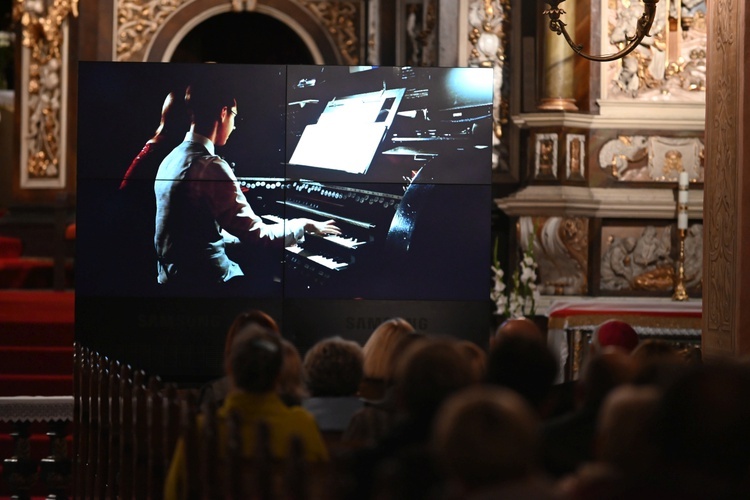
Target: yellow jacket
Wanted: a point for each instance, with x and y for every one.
(283, 423)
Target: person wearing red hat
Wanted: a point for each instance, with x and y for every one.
(614, 333)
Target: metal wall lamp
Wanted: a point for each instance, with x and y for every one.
(642, 29)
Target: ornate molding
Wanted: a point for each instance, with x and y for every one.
(640, 116)
(137, 23)
(580, 201)
(489, 21)
(341, 19)
(722, 185)
(43, 77)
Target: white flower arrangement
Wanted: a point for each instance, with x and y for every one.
(523, 295)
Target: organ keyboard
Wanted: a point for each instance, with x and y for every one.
(336, 262)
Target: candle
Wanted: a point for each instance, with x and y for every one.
(682, 220)
(682, 201)
(684, 179)
(682, 197)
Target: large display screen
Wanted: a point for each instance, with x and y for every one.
(172, 233)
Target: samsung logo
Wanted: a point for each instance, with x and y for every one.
(369, 323)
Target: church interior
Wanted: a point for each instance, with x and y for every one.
(613, 178)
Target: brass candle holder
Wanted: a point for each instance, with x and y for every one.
(680, 293)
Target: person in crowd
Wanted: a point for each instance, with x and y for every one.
(291, 387)
(516, 327)
(623, 431)
(217, 390)
(657, 362)
(198, 196)
(614, 333)
(702, 434)
(524, 363)
(379, 351)
(486, 439)
(568, 440)
(429, 371)
(477, 358)
(624, 445)
(333, 372)
(255, 366)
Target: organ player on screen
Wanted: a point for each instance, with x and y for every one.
(198, 196)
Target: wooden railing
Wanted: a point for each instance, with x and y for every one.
(126, 427)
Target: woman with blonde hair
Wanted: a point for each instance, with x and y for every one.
(380, 350)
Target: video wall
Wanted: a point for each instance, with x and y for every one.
(331, 197)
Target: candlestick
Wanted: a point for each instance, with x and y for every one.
(680, 292)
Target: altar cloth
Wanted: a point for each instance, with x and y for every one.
(571, 323)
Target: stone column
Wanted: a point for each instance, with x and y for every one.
(558, 91)
(726, 253)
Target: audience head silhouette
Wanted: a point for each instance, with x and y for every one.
(703, 422)
(614, 333)
(428, 372)
(486, 436)
(291, 386)
(255, 360)
(623, 434)
(516, 327)
(524, 364)
(382, 347)
(602, 373)
(245, 320)
(333, 368)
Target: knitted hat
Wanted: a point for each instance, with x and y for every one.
(617, 333)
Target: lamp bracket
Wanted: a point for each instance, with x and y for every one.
(631, 42)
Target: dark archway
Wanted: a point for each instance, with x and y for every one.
(242, 38)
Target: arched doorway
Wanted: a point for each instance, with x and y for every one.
(237, 37)
(279, 28)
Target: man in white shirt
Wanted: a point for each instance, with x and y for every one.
(198, 196)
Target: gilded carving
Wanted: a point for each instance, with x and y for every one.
(561, 251)
(490, 24)
(575, 161)
(721, 197)
(545, 158)
(43, 35)
(669, 63)
(138, 22)
(638, 262)
(341, 20)
(653, 158)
